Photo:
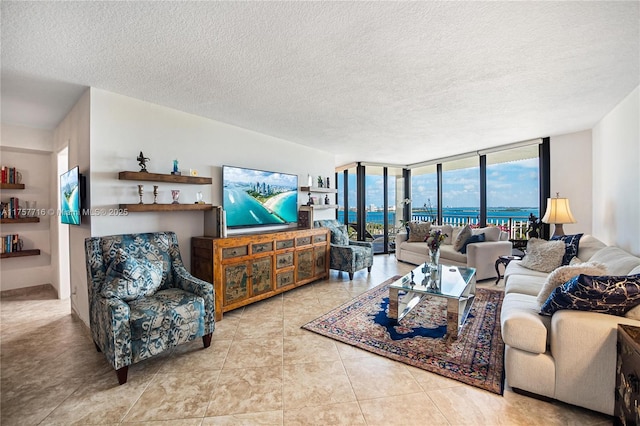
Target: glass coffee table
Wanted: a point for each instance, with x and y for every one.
(456, 284)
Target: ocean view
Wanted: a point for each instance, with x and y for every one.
(495, 215)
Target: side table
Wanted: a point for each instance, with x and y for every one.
(627, 397)
(504, 260)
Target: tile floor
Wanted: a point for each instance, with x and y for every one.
(262, 368)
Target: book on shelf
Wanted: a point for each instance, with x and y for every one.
(9, 175)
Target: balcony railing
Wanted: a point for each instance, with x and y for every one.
(517, 228)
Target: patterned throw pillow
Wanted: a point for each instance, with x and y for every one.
(418, 231)
(571, 246)
(543, 256)
(565, 273)
(472, 239)
(129, 278)
(614, 295)
(340, 235)
(464, 234)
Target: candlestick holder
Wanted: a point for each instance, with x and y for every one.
(155, 194)
(140, 192)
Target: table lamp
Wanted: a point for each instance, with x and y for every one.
(558, 213)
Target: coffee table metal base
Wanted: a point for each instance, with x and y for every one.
(458, 306)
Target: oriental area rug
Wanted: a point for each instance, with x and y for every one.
(475, 358)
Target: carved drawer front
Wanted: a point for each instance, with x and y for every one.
(320, 259)
(284, 244)
(283, 279)
(303, 241)
(283, 260)
(261, 248)
(305, 264)
(235, 283)
(320, 238)
(261, 277)
(231, 252)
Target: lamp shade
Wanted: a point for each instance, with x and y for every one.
(558, 211)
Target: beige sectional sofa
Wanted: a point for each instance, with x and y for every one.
(571, 355)
(481, 256)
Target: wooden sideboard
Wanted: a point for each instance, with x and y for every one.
(247, 268)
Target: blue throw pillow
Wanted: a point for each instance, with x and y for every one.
(473, 239)
(571, 243)
(129, 278)
(605, 294)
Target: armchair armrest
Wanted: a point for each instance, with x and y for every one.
(361, 244)
(482, 256)
(113, 330)
(187, 282)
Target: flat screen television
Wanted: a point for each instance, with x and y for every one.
(253, 198)
(70, 197)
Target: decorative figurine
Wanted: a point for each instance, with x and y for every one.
(175, 168)
(534, 226)
(155, 194)
(142, 162)
(140, 192)
(326, 199)
(328, 183)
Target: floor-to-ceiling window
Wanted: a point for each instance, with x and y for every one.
(461, 191)
(424, 193)
(347, 197)
(513, 188)
(502, 187)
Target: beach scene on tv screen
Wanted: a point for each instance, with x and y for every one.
(255, 197)
(70, 198)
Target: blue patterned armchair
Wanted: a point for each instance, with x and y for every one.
(142, 301)
(346, 255)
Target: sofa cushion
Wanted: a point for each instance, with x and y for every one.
(472, 239)
(448, 253)
(565, 273)
(618, 261)
(462, 237)
(129, 278)
(418, 231)
(522, 327)
(491, 233)
(607, 294)
(589, 245)
(447, 230)
(543, 256)
(572, 243)
(524, 284)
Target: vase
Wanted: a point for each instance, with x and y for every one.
(434, 257)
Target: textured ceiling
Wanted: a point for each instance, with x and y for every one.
(392, 82)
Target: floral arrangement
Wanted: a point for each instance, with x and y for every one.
(435, 238)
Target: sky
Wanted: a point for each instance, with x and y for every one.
(513, 184)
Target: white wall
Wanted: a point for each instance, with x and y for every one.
(616, 175)
(35, 167)
(121, 127)
(571, 174)
(73, 132)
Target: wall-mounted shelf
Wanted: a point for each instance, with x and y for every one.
(11, 185)
(21, 253)
(134, 208)
(320, 206)
(21, 220)
(159, 177)
(315, 189)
